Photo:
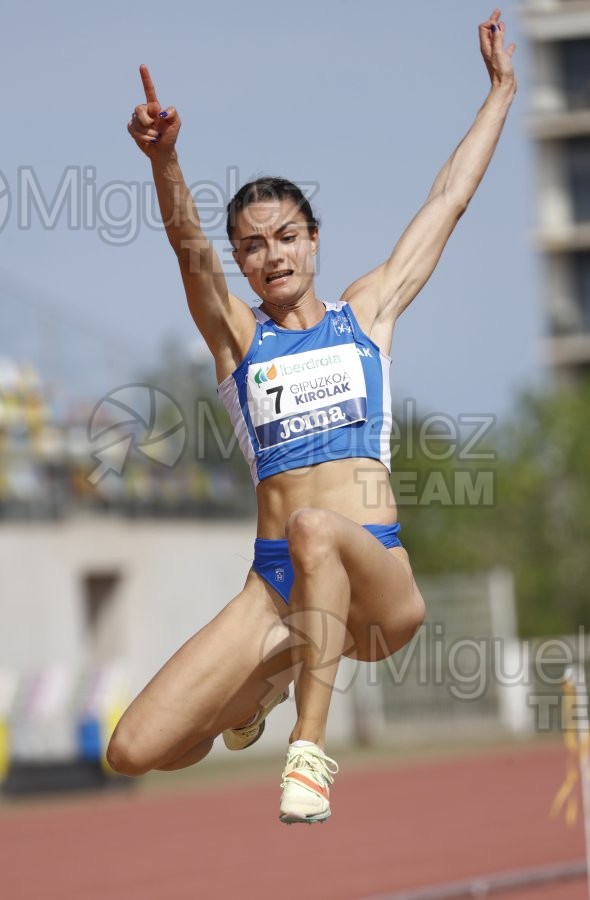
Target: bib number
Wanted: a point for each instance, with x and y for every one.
(305, 393)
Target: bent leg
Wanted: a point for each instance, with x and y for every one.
(217, 679)
(350, 596)
(318, 611)
(189, 759)
(386, 608)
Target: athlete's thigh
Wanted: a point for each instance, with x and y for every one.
(386, 606)
(215, 680)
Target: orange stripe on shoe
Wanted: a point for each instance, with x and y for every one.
(296, 776)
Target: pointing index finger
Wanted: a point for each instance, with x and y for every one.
(148, 85)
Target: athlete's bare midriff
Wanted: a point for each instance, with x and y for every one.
(356, 488)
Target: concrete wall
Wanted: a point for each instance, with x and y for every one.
(173, 578)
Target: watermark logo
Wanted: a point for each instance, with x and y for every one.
(309, 641)
(139, 418)
(466, 480)
(517, 682)
(118, 209)
(5, 201)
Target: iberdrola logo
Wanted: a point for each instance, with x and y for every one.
(261, 376)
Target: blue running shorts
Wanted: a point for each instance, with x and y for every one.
(273, 563)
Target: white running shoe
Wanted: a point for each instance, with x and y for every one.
(306, 784)
(240, 738)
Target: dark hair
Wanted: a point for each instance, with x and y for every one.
(270, 188)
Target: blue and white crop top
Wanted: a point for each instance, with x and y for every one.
(304, 397)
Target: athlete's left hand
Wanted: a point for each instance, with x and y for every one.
(497, 58)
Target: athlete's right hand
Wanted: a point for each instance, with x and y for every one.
(153, 129)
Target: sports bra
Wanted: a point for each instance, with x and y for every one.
(301, 397)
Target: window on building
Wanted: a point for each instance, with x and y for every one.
(581, 267)
(577, 154)
(576, 72)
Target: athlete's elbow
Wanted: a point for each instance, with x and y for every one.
(457, 199)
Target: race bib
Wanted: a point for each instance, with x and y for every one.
(299, 395)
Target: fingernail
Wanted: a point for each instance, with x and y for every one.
(163, 114)
(493, 29)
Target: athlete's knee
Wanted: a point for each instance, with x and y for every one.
(124, 754)
(307, 524)
(412, 618)
(311, 536)
(416, 612)
(393, 633)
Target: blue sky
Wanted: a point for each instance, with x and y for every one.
(365, 101)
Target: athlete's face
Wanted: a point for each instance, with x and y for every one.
(275, 251)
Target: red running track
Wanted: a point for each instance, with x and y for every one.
(392, 828)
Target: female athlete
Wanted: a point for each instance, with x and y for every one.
(306, 385)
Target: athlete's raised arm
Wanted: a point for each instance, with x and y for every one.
(379, 297)
(225, 322)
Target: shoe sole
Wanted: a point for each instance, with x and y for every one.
(261, 727)
(308, 820)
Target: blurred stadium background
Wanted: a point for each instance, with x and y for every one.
(116, 506)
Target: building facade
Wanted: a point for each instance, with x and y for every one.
(559, 41)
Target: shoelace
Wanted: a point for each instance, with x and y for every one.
(309, 758)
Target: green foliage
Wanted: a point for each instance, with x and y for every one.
(538, 524)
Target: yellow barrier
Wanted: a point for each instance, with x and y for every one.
(4, 750)
(109, 723)
(576, 727)
(577, 742)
